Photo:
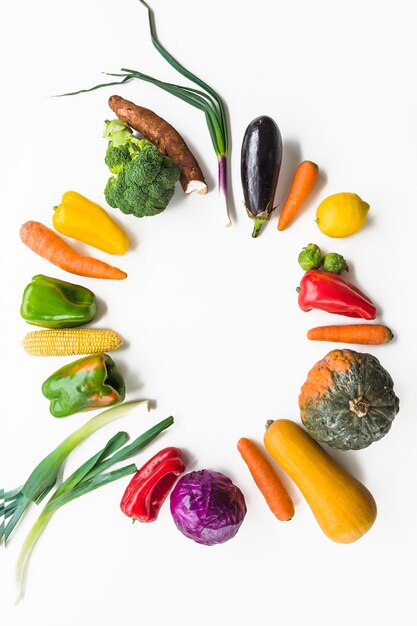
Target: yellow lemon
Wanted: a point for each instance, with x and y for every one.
(342, 214)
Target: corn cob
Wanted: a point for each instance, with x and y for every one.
(71, 341)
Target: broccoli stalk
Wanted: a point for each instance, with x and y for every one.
(144, 180)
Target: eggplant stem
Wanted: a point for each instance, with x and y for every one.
(257, 227)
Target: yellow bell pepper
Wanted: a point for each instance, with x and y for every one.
(82, 219)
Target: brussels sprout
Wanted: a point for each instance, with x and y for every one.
(334, 263)
(310, 257)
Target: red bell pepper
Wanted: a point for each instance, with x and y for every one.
(330, 292)
(151, 485)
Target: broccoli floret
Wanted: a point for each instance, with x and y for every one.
(159, 196)
(134, 200)
(117, 158)
(145, 179)
(169, 174)
(144, 168)
(115, 190)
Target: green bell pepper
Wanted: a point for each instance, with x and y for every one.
(55, 303)
(89, 383)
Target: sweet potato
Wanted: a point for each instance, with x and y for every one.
(164, 136)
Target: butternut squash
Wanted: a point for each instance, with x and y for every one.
(343, 507)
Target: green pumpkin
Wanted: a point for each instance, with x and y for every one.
(348, 400)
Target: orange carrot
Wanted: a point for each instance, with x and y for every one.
(52, 247)
(371, 334)
(266, 479)
(304, 179)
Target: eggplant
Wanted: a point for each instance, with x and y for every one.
(260, 164)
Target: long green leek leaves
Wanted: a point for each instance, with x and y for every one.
(44, 476)
(206, 99)
(90, 476)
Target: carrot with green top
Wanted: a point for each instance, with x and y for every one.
(53, 248)
(266, 479)
(371, 334)
(304, 180)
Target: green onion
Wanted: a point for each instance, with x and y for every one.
(44, 476)
(86, 478)
(206, 99)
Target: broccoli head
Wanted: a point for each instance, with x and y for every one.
(144, 180)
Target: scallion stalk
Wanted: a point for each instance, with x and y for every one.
(44, 476)
(221, 141)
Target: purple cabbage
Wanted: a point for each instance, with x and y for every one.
(207, 507)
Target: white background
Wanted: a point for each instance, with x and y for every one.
(210, 318)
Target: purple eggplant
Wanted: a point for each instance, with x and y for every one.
(260, 164)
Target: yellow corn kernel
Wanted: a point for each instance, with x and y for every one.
(70, 341)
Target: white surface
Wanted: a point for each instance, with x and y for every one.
(210, 318)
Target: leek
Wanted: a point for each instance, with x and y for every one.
(44, 476)
(86, 478)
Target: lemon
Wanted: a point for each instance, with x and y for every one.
(341, 214)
